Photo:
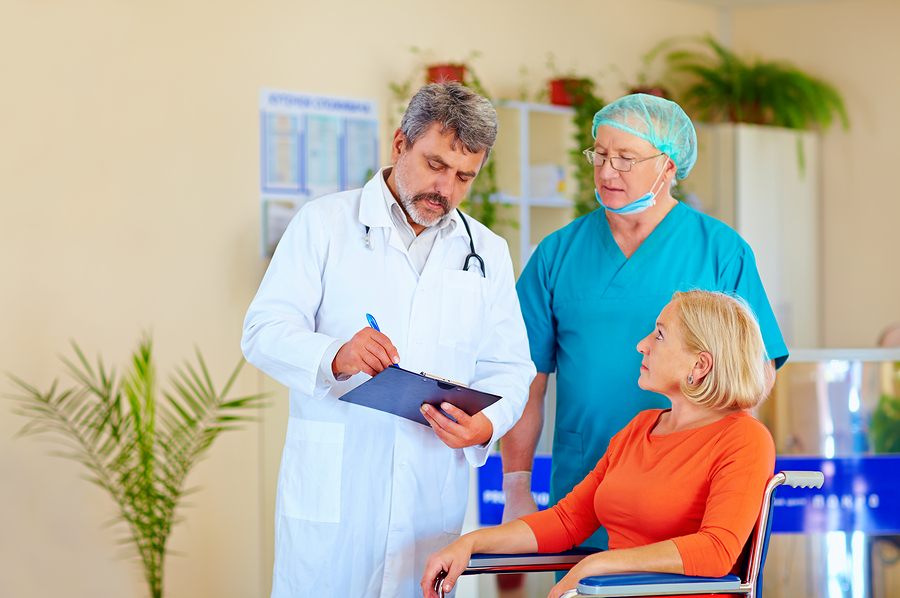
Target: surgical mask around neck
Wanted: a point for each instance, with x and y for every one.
(637, 206)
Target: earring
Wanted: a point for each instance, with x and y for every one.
(690, 379)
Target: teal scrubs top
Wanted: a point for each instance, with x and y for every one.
(586, 308)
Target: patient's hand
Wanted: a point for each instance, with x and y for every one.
(454, 559)
(587, 567)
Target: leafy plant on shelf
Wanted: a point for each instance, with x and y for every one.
(136, 447)
(721, 86)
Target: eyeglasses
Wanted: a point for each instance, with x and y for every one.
(620, 164)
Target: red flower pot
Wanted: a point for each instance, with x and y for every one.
(568, 91)
(441, 73)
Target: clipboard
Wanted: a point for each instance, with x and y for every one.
(402, 392)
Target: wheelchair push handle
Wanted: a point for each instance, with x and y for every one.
(804, 479)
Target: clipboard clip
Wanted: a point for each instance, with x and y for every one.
(447, 380)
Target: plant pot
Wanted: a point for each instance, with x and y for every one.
(442, 73)
(652, 90)
(569, 91)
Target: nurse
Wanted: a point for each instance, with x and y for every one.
(365, 496)
(590, 287)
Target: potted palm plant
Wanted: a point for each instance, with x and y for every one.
(136, 447)
(721, 86)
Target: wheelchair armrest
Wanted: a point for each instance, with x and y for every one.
(520, 563)
(655, 584)
(523, 563)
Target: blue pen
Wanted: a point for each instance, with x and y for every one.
(374, 325)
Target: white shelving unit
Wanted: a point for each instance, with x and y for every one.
(532, 135)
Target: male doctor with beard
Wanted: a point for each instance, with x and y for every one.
(365, 496)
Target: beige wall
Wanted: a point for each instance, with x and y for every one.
(854, 45)
(128, 201)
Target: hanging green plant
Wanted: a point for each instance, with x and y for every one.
(136, 447)
(586, 106)
(721, 86)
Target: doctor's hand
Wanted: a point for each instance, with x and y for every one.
(466, 431)
(369, 351)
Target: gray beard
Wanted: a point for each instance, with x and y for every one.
(422, 217)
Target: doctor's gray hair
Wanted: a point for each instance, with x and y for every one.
(725, 327)
(459, 110)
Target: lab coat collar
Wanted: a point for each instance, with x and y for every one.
(373, 209)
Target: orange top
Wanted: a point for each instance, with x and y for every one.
(701, 488)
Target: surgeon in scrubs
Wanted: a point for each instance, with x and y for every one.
(364, 496)
(590, 287)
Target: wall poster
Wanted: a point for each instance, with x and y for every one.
(311, 145)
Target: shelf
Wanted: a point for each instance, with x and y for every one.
(533, 162)
(541, 202)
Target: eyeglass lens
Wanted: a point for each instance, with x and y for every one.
(620, 164)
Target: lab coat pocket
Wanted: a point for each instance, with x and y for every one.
(462, 310)
(311, 471)
(455, 493)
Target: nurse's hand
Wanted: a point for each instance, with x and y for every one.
(465, 431)
(369, 351)
(453, 560)
(519, 500)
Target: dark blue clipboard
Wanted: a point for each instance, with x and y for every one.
(401, 392)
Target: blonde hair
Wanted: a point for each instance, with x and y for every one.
(725, 327)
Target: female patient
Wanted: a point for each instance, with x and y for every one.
(679, 489)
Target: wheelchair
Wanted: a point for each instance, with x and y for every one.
(748, 583)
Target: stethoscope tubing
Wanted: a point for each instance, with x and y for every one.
(472, 254)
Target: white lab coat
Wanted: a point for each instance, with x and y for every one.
(365, 497)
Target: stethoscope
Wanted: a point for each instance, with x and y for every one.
(472, 253)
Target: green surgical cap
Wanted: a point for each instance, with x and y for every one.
(661, 122)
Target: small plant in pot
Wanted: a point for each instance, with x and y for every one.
(566, 89)
(440, 73)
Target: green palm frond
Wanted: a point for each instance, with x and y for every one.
(137, 448)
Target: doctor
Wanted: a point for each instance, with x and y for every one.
(365, 496)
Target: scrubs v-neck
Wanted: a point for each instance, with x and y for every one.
(586, 307)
